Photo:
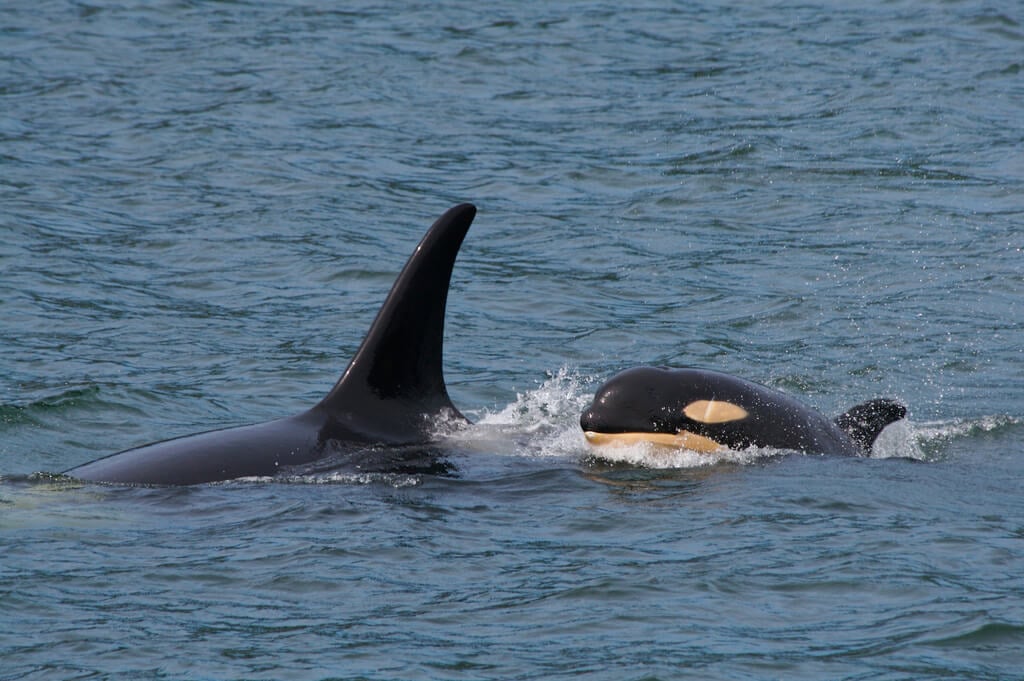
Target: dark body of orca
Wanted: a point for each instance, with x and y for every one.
(391, 392)
(707, 411)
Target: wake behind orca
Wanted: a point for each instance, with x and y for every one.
(391, 393)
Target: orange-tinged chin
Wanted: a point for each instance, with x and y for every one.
(681, 440)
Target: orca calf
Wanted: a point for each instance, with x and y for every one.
(391, 392)
(707, 411)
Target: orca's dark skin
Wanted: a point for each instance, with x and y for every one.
(707, 411)
(391, 392)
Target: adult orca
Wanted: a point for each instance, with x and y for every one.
(707, 411)
(391, 393)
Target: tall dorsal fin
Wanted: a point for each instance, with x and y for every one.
(395, 381)
(866, 421)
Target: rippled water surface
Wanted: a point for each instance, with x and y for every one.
(203, 204)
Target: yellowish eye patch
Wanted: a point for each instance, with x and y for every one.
(713, 411)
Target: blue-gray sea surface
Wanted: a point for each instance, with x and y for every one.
(203, 204)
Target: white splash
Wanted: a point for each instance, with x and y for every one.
(558, 400)
(898, 440)
(650, 455)
(543, 422)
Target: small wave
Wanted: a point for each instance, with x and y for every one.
(396, 480)
(937, 431)
(925, 440)
(988, 635)
(33, 412)
(648, 455)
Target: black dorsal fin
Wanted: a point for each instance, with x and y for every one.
(866, 421)
(395, 381)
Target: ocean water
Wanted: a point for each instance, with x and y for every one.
(202, 205)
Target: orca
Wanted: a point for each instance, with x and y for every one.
(708, 411)
(392, 392)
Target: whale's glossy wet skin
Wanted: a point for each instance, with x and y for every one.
(708, 411)
(391, 393)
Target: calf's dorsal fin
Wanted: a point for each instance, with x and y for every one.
(864, 422)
